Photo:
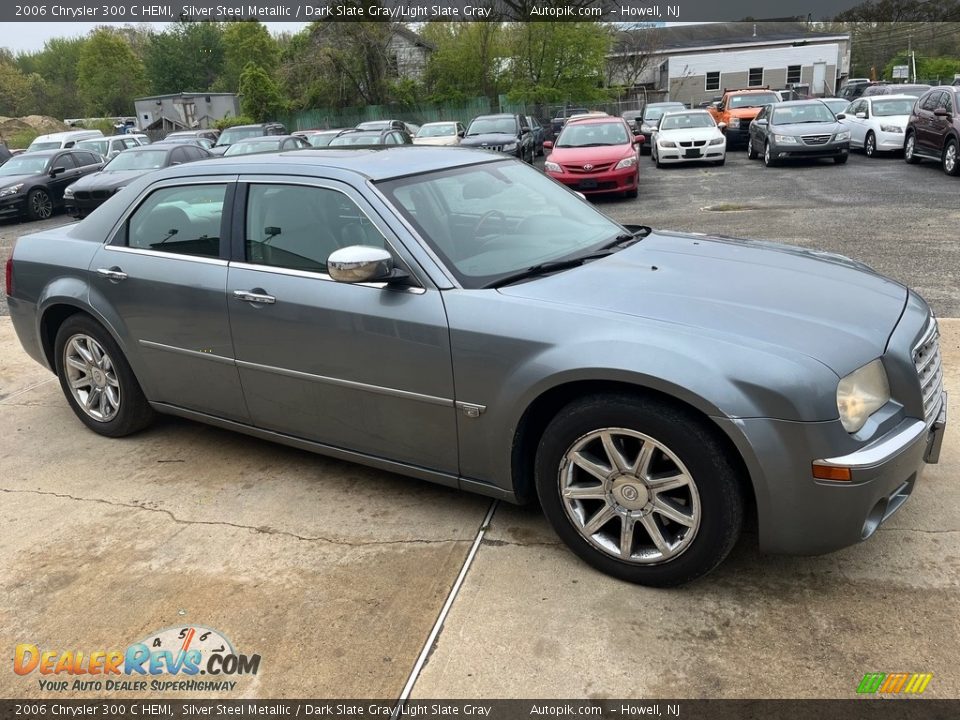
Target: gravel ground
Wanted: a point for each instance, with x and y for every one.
(900, 219)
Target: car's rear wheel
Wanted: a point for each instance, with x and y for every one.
(640, 489)
(97, 380)
(768, 158)
(951, 166)
(910, 149)
(870, 145)
(39, 205)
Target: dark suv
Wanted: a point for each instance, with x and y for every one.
(243, 132)
(508, 134)
(933, 130)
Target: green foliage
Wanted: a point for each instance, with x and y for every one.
(259, 97)
(58, 65)
(187, 57)
(228, 122)
(243, 42)
(928, 68)
(110, 75)
(21, 139)
(469, 58)
(20, 93)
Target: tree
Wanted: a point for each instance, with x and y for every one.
(469, 59)
(359, 55)
(187, 57)
(259, 97)
(245, 41)
(110, 76)
(58, 65)
(20, 92)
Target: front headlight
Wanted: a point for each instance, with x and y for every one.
(510, 147)
(734, 122)
(862, 393)
(626, 163)
(552, 167)
(785, 139)
(646, 128)
(718, 141)
(11, 190)
(68, 193)
(842, 136)
(891, 129)
(667, 143)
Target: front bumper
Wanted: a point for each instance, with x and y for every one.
(81, 207)
(889, 142)
(603, 182)
(706, 153)
(800, 515)
(13, 205)
(794, 152)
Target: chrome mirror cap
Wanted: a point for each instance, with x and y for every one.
(360, 263)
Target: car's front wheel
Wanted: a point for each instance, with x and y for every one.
(751, 151)
(840, 159)
(951, 166)
(910, 149)
(640, 489)
(870, 145)
(768, 158)
(39, 205)
(97, 380)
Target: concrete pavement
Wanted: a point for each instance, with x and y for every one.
(335, 574)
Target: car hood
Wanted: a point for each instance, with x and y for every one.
(900, 120)
(821, 305)
(441, 141)
(744, 112)
(823, 128)
(706, 133)
(489, 139)
(106, 180)
(7, 180)
(595, 155)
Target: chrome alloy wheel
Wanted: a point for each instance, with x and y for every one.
(629, 496)
(950, 159)
(92, 378)
(40, 205)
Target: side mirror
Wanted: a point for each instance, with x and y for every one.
(861, 115)
(761, 121)
(58, 170)
(843, 116)
(941, 112)
(639, 139)
(722, 126)
(461, 133)
(359, 264)
(548, 144)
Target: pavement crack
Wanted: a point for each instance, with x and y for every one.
(262, 529)
(497, 543)
(918, 530)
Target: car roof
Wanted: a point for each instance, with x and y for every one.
(687, 111)
(596, 119)
(798, 103)
(67, 134)
(496, 115)
(884, 98)
(266, 138)
(662, 104)
(255, 125)
(380, 163)
(48, 153)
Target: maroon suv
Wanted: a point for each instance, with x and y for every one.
(933, 131)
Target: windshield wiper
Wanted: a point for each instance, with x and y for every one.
(547, 267)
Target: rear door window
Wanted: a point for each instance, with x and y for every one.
(183, 220)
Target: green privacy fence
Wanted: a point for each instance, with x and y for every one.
(419, 113)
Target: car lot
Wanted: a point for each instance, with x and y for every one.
(335, 574)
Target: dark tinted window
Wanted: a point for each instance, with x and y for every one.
(712, 81)
(87, 158)
(183, 220)
(297, 227)
(65, 161)
(930, 101)
(945, 102)
(793, 74)
(756, 76)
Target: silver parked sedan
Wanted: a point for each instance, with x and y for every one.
(460, 318)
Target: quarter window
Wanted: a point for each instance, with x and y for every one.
(712, 81)
(756, 76)
(930, 102)
(297, 227)
(182, 220)
(793, 74)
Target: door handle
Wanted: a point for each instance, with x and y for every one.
(115, 274)
(254, 297)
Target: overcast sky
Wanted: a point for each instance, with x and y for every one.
(22, 36)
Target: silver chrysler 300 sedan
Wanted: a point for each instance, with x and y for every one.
(461, 318)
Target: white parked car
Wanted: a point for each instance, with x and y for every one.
(688, 136)
(877, 122)
(439, 133)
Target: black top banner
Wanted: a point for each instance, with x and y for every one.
(622, 11)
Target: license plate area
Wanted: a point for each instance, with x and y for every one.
(587, 184)
(692, 153)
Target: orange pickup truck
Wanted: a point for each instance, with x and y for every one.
(738, 108)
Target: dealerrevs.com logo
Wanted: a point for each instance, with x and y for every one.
(170, 660)
(894, 683)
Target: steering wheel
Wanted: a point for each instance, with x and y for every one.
(488, 215)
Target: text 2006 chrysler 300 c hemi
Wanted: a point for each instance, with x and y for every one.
(460, 318)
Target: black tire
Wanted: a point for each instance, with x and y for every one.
(870, 145)
(656, 160)
(751, 152)
(909, 149)
(768, 159)
(39, 205)
(721, 163)
(840, 159)
(134, 412)
(632, 194)
(950, 160)
(691, 439)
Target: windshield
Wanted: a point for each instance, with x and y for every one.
(655, 113)
(100, 146)
(24, 165)
(357, 139)
(246, 148)
(321, 140)
(137, 160)
(683, 121)
(445, 130)
(34, 146)
(916, 92)
(808, 113)
(884, 108)
(752, 100)
(492, 220)
(575, 135)
(375, 125)
(485, 126)
(232, 135)
(836, 105)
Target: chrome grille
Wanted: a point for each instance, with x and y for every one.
(926, 358)
(693, 143)
(815, 139)
(603, 167)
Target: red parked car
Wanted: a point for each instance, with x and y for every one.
(596, 155)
